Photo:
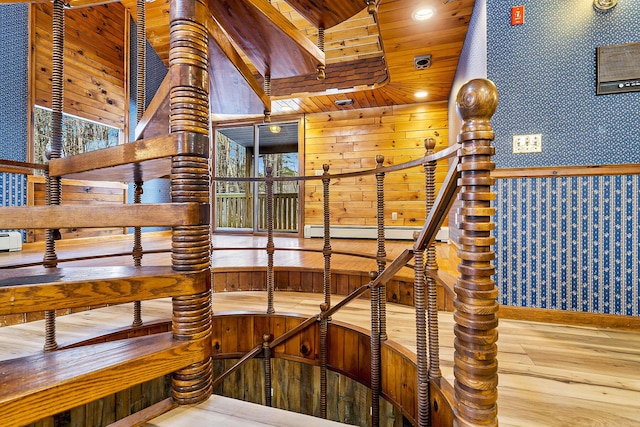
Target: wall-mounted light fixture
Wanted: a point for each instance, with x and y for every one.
(604, 4)
(275, 129)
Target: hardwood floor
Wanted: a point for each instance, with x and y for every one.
(549, 375)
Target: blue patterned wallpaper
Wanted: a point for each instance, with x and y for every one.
(13, 100)
(545, 71)
(13, 192)
(472, 64)
(570, 243)
(13, 81)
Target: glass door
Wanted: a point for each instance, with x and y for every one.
(246, 152)
(233, 200)
(279, 151)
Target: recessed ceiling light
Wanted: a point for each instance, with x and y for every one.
(422, 14)
(421, 94)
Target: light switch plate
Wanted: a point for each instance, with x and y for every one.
(527, 143)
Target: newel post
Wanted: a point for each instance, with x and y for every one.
(476, 321)
(190, 183)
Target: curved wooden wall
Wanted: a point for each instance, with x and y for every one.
(349, 354)
(304, 279)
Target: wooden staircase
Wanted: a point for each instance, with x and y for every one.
(172, 140)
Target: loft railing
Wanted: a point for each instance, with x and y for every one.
(475, 305)
(475, 388)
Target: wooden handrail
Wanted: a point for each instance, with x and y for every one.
(448, 152)
(560, 171)
(441, 207)
(24, 168)
(250, 355)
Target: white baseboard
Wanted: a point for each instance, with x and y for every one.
(369, 232)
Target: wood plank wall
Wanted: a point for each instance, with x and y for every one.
(94, 66)
(350, 140)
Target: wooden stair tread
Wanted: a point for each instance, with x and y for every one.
(141, 160)
(327, 13)
(272, 43)
(35, 386)
(155, 119)
(37, 288)
(107, 215)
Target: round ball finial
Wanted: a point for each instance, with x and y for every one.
(373, 274)
(379, 159)
(324, 307)
(430, 144)
(325, 167)
(266, 337)
(476, 102)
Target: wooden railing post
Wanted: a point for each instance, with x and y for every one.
(324, 326)
(53, 183)
(381, 254)
(141, 75)
(376, 384)
(270, 245)
(267, 368)
(476, 368)
(190, 182)
(137, 251)
(326, 249)
(431, 265)
(421, 336)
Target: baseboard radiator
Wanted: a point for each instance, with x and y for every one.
(369, 232)
(10, 241)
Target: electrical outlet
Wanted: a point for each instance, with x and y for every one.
(394, 216)
(527, 143)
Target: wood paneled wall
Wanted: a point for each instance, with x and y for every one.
(94, 65)
(350, 140)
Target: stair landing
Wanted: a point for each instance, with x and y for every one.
(224, 411)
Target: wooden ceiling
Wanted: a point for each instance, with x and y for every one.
(371, 56)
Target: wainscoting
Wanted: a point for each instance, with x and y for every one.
(569, 243)
(13, 192)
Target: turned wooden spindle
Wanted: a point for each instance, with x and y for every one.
(141, 88)
(421, 335)
(324, 326)
(476, 321)
(267, 368)
(381, 254)
(53, 189)
(376, 365)
(326, 248)
(270, 244)
(431, 265)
